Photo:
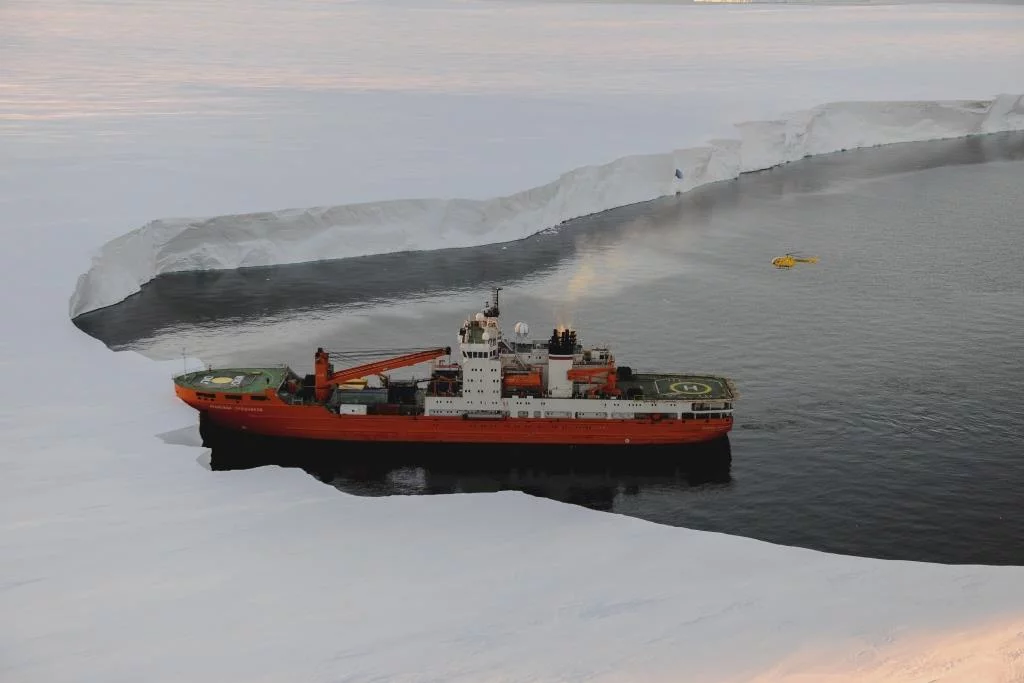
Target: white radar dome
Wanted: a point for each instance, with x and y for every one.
(479, 317)
(522, 328)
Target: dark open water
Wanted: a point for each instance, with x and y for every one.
(882, 409)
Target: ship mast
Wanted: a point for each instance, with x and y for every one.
(492, 310)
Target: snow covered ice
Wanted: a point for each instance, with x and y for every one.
(122, 558)
(297, 235)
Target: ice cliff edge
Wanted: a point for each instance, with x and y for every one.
(124, 264)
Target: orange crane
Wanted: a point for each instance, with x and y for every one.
(327, 378)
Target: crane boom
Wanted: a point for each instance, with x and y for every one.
(327, 378)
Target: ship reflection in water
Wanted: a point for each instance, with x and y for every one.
(592, 477)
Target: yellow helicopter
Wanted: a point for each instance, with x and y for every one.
(790, 260)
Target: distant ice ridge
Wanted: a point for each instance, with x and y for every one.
(299, 235)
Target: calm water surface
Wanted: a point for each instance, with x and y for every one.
(881, 388)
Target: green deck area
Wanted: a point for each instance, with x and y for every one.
(234, 380)
(680, 387)
(654, 386)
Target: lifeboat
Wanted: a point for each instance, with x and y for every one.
(524, 380)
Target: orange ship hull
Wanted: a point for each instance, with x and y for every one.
(492, 391)
(277, 419)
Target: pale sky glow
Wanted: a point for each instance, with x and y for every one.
(69, 59)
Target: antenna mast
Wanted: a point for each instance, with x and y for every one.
(493, 310)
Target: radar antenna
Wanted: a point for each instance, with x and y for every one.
(491, 310)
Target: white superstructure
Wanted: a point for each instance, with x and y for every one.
(490, 376)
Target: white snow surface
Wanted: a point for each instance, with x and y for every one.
(123, 559)
(298, 235)
(266, 575)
